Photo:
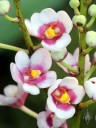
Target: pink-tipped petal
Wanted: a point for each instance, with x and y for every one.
(64, 114)
(32, 89)
(69, 82)
(41, 120)
(41, 58)
(79, 93)
(22, 60)
(29, 26)
(35, 24)
(16, 75)
(49, 80)
(63, 41)
(48, 15)
(65, 19)
(4, 101)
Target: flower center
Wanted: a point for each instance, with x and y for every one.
(61, 95)
(52, 32)
(35, 73)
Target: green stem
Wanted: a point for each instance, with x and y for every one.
(29, 112)
(12, 48)
(86, 51)
(86, 104)
(75, 70)
(92, 69)
(37, 47)
(21, 23)
(15, 20)
(76, 11)
(90, 22)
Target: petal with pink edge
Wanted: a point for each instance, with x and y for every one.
(41, 60)
(48, 15)
(65, 19)
(49, 80)
(35, 24)
(69, 82)
(63, 41)
(16, 74)
(41, 120)
(22, 60)
(32, 89)
(6, 100)
(78, 94)
(62, 113)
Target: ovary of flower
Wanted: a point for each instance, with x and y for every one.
(61, 95)
(52, 32)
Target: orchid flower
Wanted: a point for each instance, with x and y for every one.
(48, 119)
(51, 27)
(90, 88)
(33, 73)
(14, 96)
(72, 60)
(62, 95)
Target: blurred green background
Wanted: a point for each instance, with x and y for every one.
(10, 33)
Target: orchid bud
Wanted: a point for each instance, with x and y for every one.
(4, 7)
(74, 3)
(58, 56)
(92, 10)
(79, 20)
(91, 39)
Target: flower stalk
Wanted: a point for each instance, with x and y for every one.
(29, 112)
(15, 20)
(21, 23)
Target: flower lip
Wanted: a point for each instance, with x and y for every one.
(60, 94)
(49, 119)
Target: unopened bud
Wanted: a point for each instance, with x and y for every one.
(79, 20)
(92, 10)
(91, 39)
(74, 4)
(58, 56)
(4, 7)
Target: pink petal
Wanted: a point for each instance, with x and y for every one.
(22, 60)
(32, 89)
(48, 15)
(16, 75)
(41, 60)
(49, 80)
(41, 120)
(35, 24)
(69, 82)
(65, 19)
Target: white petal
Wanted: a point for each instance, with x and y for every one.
(10, 90)
(48, 15)
(6, 100)
(65, 19)
(22, 60)
(87, 63)
(29, 26)
(35, 24)
(54, 86)
(41, 120)
(69, 82)
(65, 114)
(63, 41)
(51, 48)
(50, 79)
(69, 59)
(16, 75)
(41, 58)
(76, 55)
(32, 89)
(79, 92)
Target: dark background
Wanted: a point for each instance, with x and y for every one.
(11, 34)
